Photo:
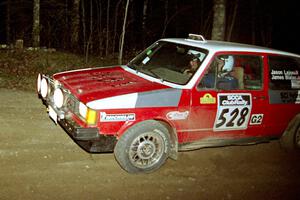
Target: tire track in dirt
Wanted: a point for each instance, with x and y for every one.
(40, 161)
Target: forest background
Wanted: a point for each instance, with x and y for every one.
(103, 32)
(96, 25)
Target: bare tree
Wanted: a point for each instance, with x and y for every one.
(253, 21)
(175, 14)
(123, 33)
(83, 29)
(36, 23)
(116, 25)
(231, 21)
(166, 18)
(75, 24)
(99, 27)
(66, 35)
(145, 8)
(8, 21)
(218, 30)
(89, 42)
(107, 28)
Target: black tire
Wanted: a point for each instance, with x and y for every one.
(143, 148)
(290, 140)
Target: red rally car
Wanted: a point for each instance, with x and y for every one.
(178, 94)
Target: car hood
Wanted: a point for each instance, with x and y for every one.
(94, 84)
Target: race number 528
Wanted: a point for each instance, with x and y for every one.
(233, 112)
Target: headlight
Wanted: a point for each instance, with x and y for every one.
(58, 97)
(82, 110)
(38, 83)
(88, 114)
(44, 87)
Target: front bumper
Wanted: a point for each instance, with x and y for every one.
(89, 138)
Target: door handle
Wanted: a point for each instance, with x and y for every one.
(259, 97)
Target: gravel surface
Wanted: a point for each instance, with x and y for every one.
(40, 161)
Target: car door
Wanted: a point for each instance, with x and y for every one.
(231, 105)
(283, 90)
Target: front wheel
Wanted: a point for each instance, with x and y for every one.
(143, 147)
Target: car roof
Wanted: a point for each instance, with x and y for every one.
(216, 46)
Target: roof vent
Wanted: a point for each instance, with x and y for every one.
(196, 37)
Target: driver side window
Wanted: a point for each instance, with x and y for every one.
(232, 72)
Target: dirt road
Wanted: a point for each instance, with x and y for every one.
(40, 161)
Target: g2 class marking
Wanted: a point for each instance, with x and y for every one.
(256, 119)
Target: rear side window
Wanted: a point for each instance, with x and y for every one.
(284, 73)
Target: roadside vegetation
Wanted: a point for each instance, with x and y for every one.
(19, 69)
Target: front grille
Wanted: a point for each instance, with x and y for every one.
(72, 104)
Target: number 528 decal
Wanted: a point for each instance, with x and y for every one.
(233, 111)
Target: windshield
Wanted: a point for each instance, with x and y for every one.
(172, 62)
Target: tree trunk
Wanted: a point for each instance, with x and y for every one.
(218, 29)
(99, 28)
(90, 40)
(232, 20)
(144, 35)
(107, 29)
(84, 30)
(8, 22)
(166, 18)
(89, 43)
(123, 33)
(66, 41)
(75, 24)
(253, 21)
(36, 23)
(116, 25)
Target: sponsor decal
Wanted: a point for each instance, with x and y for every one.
(295, 84)
(176, 115)
(284, 96)
(207, 99)
(233, 111)
(256, 119)
(234, 100)
(104, 117)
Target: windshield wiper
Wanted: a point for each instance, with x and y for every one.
(138, 68)
(133, 65)
(155, 74)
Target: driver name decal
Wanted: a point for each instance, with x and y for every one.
(233, 112)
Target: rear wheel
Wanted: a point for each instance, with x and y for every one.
(297, 138)
(290, 140)
(143, 148)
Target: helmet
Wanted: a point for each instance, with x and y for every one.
(197, 54)
(228, 64)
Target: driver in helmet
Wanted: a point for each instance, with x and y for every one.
(224, 79)
(194, 63)
(222, 65)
